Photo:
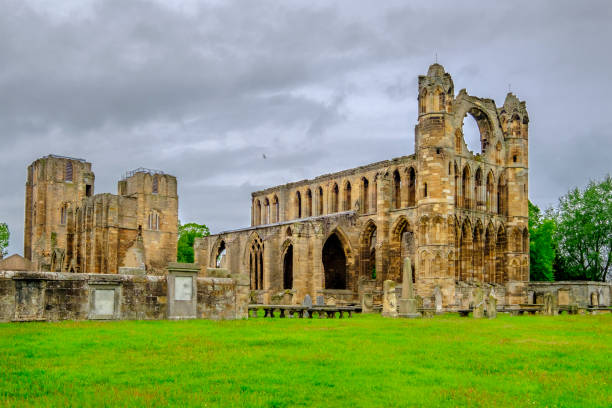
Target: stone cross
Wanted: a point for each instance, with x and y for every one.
(389, 299)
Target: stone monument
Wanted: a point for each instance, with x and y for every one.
(492, 305)
(389, 299)
(408, 303)
(479, 301)
(367, 302)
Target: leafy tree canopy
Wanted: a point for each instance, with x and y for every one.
(4, 238)
(187, 235)
(584, 232)
(541, 244)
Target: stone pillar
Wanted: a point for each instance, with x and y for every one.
(389, 299)
(479, 301)
(408, 304)
(182, 290)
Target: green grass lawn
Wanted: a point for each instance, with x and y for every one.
(366, 361)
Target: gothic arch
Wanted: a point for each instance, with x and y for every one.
(501, 275)
(254, 259)
(367, 245)
(337, 260)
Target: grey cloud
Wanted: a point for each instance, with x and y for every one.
(203, 90)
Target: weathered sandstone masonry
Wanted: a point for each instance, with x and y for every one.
(460, 216)
(69, 229)
(52, 296)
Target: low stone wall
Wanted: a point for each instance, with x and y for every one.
(579, 293)
(52, 296)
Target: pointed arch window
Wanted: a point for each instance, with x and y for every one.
(335, 198)
(320, 201)
(155, 187)
(298, 205)
(256, 264)
(347, 196)
(397, 190)
(365, 198)
(308, 203)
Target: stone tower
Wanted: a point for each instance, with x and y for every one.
(156, 213)
(54, 185)
(434, 198)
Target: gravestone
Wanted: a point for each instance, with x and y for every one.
(438, 299)
(367, 302)
(320, 300)
(307, 301)
(104, 301)
(479, 301)
(389, 299)
(408, 303)
(550, 304)
(492, 306)
(595, 299)
(182, 290)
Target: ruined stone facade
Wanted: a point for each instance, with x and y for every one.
(69, 229)
(460, 216)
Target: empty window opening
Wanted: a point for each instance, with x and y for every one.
(471, 134)
(298, 205)
(220, 259)
(155, 187)
(88, 190)
(288, 268)
(334, 263)
(397, 190)
(347, 196)
(365, 198)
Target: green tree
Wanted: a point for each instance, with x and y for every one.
(541, 244)
(187, 235)
(4, 238)
(584, 232)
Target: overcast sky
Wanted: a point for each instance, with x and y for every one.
(203, 90)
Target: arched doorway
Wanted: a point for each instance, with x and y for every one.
(288, 268)
(334, 263)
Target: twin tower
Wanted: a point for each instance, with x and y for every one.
(69, 229)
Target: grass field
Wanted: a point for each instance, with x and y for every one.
(366, 361)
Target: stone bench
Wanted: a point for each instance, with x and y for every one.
(303, 311)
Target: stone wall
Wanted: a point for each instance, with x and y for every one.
(579, 293)
(52, 296)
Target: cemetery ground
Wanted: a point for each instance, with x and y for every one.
(366, 361)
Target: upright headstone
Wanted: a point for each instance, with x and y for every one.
(367, 302)
(492, 306)
(550, 304)
(307, 301)
(408, 303)
(389, 299)
(320, 300)
(478, 311)
(438, 299)
(182, 290)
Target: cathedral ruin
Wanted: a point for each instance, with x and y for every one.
(460, 216)
(69, 229)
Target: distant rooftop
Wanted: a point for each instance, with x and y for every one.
(141, 170)
(56, 156)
